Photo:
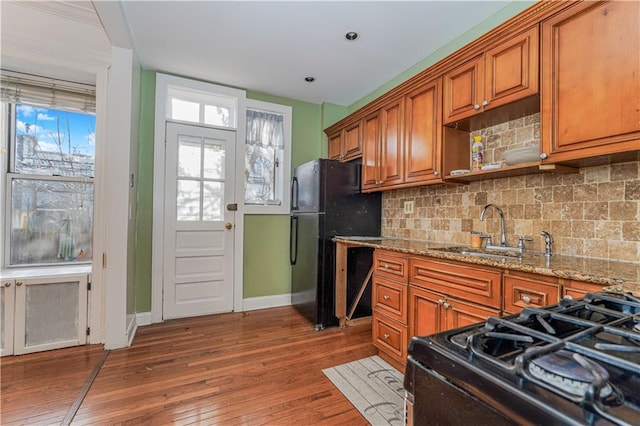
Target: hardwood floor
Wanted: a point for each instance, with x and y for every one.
(256, 368)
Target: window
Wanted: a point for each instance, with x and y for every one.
(49, 179)
(198, 107)
(267, 158)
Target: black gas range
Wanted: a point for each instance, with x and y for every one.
(574, 363)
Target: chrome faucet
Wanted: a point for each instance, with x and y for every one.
(503, 231)
(548, 242)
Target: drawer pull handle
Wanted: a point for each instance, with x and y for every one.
(7, 284)
(526, 299)
(386, 336)
(19, 283)
(386, 297)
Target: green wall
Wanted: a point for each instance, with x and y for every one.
(266, 237)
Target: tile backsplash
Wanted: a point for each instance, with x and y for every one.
(594, 213)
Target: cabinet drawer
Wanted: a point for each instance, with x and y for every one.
(389, 265)
(390, 298)
(389, 336)
(578, 289)
(457, 279)
(521, 292)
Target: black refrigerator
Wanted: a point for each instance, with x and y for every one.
(326, 201)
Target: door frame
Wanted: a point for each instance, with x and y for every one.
(163, 82)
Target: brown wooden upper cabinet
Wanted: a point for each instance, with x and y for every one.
(590, 81)
(346, 144)
(501, 75)
(402, 140)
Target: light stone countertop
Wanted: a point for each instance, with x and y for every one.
(613, 275)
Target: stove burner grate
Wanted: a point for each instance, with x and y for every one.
(561, 370)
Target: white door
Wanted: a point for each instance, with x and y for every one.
(198, 235)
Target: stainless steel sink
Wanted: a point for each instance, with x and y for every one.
(488, 254)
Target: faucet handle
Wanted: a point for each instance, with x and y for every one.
(521, 241)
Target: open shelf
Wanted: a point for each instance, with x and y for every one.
(508, 171)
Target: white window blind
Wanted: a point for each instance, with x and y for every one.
(34, 90)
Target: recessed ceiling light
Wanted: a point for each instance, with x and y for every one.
(309, 79)
(351, 35)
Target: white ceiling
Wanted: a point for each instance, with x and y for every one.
(266, 46)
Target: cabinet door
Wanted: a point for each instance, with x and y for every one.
(335, 144)
(590, 82)
(371, 151)
(511, 70)
(423, 126)
(351, 147)
(50, 313)
(7, 303)
(463, 90)
(460, 313)
(391, 153)
(426, 314)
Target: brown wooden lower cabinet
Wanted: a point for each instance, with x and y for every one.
(431, 312)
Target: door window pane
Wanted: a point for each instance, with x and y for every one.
(189, 149)
(188, 200)
(213, 199)
(214, 155)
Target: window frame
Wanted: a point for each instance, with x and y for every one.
(284, 159)
(7, 127)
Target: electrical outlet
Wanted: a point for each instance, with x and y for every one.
(408, 207)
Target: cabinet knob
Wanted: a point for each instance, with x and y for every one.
(544, 156)
(446, 305)
(385, 266)
(386, 297)
(386, 336)
(441, 302)
(19, 283)
(7, 284)
(476, 107)
(526, 299)
(568, 297)
(436, 173)
(485, 102)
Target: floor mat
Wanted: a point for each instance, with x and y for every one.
(374, 387)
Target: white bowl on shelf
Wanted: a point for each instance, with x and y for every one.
(528, 154)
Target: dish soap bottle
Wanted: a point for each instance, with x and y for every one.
(477, 154)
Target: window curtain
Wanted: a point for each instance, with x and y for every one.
(265, 129)
(39, 91)
(264, 142)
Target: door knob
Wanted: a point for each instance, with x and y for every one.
(228, 225)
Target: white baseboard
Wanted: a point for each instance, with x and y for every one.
(143, 318)
(263, 302)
